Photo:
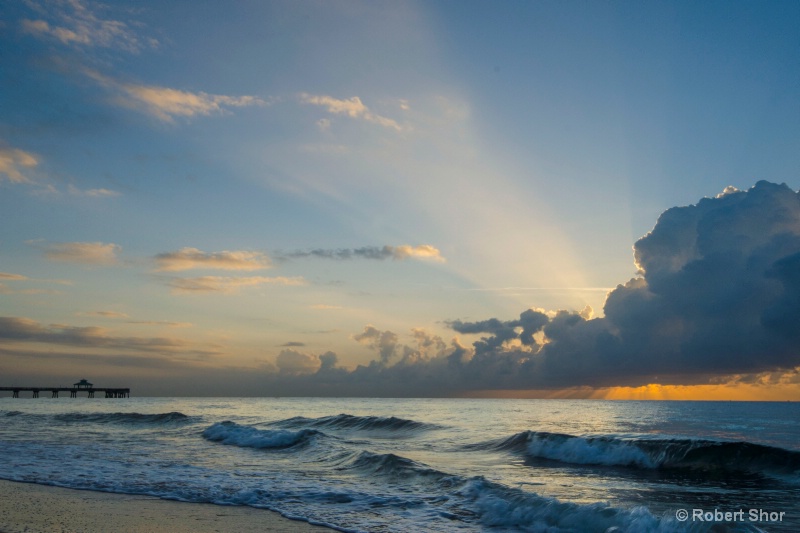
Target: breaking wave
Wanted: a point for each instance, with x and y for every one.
(235, 434)
(499, 506)
(686, 454)
(494, 505)
(391, 466)
(362, 423)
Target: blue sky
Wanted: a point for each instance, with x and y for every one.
(203, 186)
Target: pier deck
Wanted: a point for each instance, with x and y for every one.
(73, 391)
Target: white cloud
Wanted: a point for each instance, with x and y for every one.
(13, 162)
(165, 103)
(85, 253)
(116, 315)
(65, 35)
(422, 251)
(168, 323)
(74, 23)
(227, 285)
(730, 189)
(192, 258)
(94, 193)
(12, 277)
(351, 107)
(105, 314)
(7, 276)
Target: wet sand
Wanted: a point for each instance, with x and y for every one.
(30, 508)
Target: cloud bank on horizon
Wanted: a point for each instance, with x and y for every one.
(717, 295)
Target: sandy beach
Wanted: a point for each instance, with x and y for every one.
(27, 507)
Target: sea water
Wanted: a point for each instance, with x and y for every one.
(387, 465)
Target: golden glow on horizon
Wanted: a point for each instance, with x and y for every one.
(736, 392)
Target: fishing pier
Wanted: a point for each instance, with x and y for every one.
(81, 386)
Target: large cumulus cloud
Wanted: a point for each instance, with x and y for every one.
(717, 293)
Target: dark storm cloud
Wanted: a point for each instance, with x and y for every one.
(718, 293)
(524, 329)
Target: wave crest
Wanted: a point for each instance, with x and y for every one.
(389, 464)
(687, 454)
(497, 506)
(235, 434)
(362, 423)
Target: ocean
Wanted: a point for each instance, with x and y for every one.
(405, 465)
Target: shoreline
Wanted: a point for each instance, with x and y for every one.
(30, 507)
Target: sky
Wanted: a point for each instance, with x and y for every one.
(344, 198)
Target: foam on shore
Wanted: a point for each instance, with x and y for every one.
(30, 507)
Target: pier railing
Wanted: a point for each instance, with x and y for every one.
(73, 391)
